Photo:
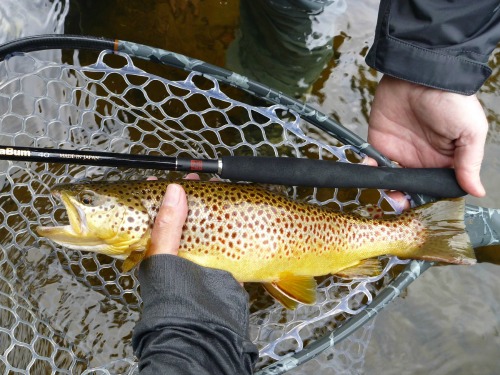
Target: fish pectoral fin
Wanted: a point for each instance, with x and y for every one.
(137, 252)
(132, 260)
(290, 289)
(151, 207)
(366, 267)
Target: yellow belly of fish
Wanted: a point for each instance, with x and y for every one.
(268, 257)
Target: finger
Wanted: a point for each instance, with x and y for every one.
(195, 176)
(467, 169)
(192, 176)
(399, 200)
(369, 161)
(167, 230)
(468, 159)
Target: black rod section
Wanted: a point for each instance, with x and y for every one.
(107, 159)
(437, 182)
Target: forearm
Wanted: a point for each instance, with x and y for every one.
(194, 320)
(440, 44)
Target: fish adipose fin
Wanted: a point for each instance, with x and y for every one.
(365, 268)
(290, 289)
(447, 240)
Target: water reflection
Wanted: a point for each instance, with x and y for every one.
(284, 44)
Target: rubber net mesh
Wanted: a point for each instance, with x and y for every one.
(73, 312)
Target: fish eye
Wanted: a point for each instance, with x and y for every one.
(88, 198)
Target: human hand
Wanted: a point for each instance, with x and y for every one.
(167, 229)
(418, 126)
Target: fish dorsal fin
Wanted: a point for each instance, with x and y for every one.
(132, 260)
(366, 267)
(278, 189)
(369, 211)
(293, 288)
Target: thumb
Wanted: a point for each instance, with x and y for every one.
(468, 159)
(167, 230)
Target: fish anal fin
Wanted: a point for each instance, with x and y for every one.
(366, 267)
(297, 288)
(132, 260)
(278, 295)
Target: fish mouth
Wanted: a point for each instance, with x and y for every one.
(73, 234)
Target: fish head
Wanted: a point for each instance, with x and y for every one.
(104, 218)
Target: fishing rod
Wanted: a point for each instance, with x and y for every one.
(483, 224)
(436, 182)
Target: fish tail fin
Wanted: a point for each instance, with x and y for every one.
(447, 240)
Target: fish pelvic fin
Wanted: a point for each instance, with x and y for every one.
(365, 268)
(447, 240)
(132, 260)
(291, 289)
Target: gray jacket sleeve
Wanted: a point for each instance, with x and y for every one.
(440, 43)
(194, 320)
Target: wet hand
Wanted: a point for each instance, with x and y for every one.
(419, 126)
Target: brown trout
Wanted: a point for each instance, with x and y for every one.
(258, 235)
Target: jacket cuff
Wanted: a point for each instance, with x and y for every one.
(427, 67)
(173, 287)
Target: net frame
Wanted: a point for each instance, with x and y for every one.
(303, 111)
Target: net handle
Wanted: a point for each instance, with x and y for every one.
(157, 55)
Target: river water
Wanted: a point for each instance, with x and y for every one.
(449, 320)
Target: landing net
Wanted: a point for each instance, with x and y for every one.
(65, 311)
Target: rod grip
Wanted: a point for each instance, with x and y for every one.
(436, 182)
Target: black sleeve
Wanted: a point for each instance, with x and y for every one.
(194, 320)
(440, 43)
